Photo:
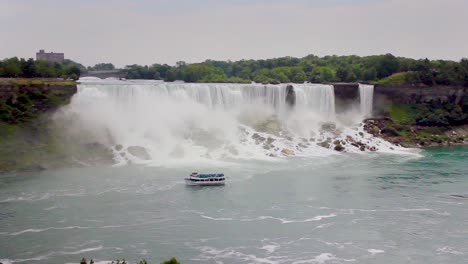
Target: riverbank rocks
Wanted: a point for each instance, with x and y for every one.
(270, 140)
(269, 143)
(324, 144)
(339, 148)
(271, 126)
(139, 152)
(118, 147)
(411, 136)
(287, 152)
(258, 139)
(328, 127)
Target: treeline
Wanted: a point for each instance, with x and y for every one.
(311, 69)
(15, 68)
(101, 67)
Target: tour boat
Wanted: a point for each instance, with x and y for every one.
(202, 179)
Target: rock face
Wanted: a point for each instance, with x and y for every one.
(416, 136)
(28, 141)
(287, 152)
(139, 152)
(339, 148)
(271, 126)
(24, 99)
(329, 127)
(346, 95)
(290, 96)
(118, 147)
(406, 95)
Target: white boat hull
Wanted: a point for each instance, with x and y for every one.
(204, 183)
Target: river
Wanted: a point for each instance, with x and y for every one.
(346, 208)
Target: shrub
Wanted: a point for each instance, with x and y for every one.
(171, 261)
(390, 131)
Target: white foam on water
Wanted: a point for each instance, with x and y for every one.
(213, 254)
(270, 248)
(375, 251)
(53, 253)
(40, 230)
(182, 123)
(324, 225)
(262, 218)
(448, 250)
(354, 210)
(322, 259)
(35, 197)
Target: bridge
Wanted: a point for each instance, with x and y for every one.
(104, 74)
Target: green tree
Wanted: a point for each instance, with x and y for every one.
(263, 76)
(300, 77)
(73, 71)
(202, 73)
(280, 74)
(29, 68)
(171, 75)
(102, 67)
(322, 75)
(171, 261)
(345, 74)
(44, 69)
(11, 68)
(370, 74)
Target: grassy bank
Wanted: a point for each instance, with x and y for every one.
(422, 125)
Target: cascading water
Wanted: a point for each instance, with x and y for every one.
(366, 94)
(163, 122)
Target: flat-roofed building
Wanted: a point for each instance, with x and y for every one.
(51, 57)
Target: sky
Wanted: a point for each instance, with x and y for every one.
(166, 31)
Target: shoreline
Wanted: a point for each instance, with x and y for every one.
(412, 136)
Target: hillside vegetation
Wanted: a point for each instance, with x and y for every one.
(381, 69)
(22, 68)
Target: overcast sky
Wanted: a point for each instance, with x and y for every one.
(165, 31)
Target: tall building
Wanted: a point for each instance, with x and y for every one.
(50, 56)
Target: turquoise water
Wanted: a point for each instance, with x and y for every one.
(352, 208)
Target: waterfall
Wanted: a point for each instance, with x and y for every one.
(366, 94)
(314, 97)
(197, 121)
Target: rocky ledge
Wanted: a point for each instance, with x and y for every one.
(412, 136)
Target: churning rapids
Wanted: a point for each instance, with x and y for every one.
(164, 123)
(290, 197)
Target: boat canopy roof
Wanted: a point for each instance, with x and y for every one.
(214, 175)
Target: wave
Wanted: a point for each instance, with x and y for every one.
(262, 218)
(51, 254)
(323, 258)
(213, 254)
(352, 211)
(46, 196)
(40, 230)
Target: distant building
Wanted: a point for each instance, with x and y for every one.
(50, 56)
